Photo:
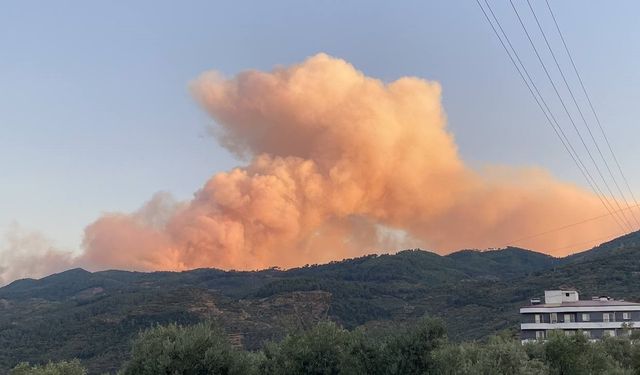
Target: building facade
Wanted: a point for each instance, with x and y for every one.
(563, 310)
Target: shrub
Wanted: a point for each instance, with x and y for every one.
(52, 368)
(325, 349)
(195, 350)
(499, 356)
(408, 351)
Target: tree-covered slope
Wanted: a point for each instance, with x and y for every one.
(631, 240)
(93, 316)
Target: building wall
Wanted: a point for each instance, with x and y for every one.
(528, 335)
(559, 296)
(594, 333)
(594, 317)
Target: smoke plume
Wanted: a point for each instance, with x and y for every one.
(338, 164)
(29, 254)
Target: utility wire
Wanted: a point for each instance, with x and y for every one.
(542, 105)
(595, 114)
(575, 102)
(562, 227)
(557, 128)
(586, 242)
(564, 106)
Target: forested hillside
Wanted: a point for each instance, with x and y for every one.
(420, 347)
(94, 316)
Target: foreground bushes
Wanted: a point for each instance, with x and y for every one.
(199, 349)
(328, 349)
(58, 368)
(499, 356)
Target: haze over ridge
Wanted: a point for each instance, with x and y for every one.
(337, 164)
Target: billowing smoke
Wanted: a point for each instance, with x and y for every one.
(339, 165)
(29, 254)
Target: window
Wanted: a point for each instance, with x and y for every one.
(608, 317)
(569, 333)
(568, 318)
(586, 317)
(538, 320)
(626, 316)
(587, 334)
(554, 318)
(609, 333)
(539, 335)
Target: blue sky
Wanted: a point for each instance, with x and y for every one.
(95, 114)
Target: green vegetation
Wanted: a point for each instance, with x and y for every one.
(95, 316)
(199, 349)
(327, 349)
(59, 368)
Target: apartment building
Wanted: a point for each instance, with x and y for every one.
(563, 310)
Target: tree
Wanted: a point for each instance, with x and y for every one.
(575, 355)
(499, 356)
(52, 368)
(201, 349)
(409, 350)
(322, 350)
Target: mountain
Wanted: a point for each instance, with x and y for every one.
(627, 241)
(94, 315)
(506, 263)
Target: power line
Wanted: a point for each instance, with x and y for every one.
(559, 132)
(595, 114)
(585, 242)
(542, 105)
(575, 102)
(549, 231)
(564, 106)
(557, 128)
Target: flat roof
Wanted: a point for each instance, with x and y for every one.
(586, 303)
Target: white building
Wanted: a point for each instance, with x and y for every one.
(563, 310)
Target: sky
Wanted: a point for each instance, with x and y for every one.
(96, 115)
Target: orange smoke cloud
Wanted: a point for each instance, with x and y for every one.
(29, 254)
(340, 165)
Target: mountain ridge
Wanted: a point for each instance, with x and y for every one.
(94, 315)
(460, 256)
